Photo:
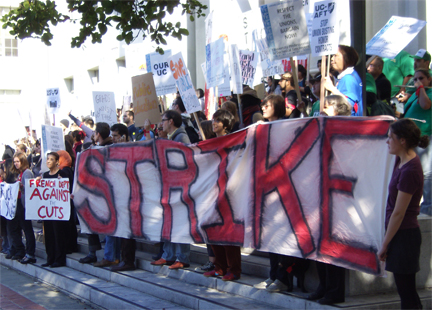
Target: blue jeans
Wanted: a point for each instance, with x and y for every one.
(426, 161)
(176, 252)
(112, 248)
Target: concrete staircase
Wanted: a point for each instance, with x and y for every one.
(152, 287)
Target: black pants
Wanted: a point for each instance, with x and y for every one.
(128, 247)
(72, 235)
(331, 281)
(277, 270)
(94, 242)
(55, 241)
(406, 287)
(14, 228)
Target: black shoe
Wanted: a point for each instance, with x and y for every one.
(88, 259)
(17, 257)
(329, 301)
(9, 256)
(27, 260)
(45, 265)
(55, 265)
(122, 267)
(314, 296)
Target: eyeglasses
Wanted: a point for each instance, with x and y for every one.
(166, 119)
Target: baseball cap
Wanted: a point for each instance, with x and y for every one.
(422, 54)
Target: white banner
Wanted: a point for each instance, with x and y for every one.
(325, 28)
(215, 63)
(47, 199)
(53, 100)
(163, 79)
(286, 29)
(8, 199)
(394, 36)
(104, 107)
(52, 141)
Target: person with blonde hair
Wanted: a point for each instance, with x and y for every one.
(336, 105)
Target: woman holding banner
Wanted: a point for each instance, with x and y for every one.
(401, 246)
(349, 84)
(21, 167)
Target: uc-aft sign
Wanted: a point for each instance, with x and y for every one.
(47, 199)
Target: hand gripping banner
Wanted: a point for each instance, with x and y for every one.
(313, 188)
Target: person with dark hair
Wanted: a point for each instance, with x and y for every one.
(401, 246)
(27, 255)
(288, 92)
(119, 133)
(232, 107)
(383, 85)
(200, 94)
(87, 125)
(172, 124)
(56, 231)
(273, 107)
(207, 127)
(302, 74)
(187, 124)
(78, 136)
(101, 136)
(8, 152)
(350, 84)
(7, 176)
(418, 108)
(250, 103)
(223, 121)
(69, 148)
(129, 120)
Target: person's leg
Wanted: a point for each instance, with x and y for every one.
(321, 289)
(60, 233)
(233, 258)
(182, 252)
(274, 264)
(128, 251)
(30, 237)
(335, 283)
(14, 231)
(406, 287)
(426, 161)
(169, 251)
(49, 242)
(221, 264)
(109, 248)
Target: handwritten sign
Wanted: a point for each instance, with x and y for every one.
(286, 29)
(52, 141)
(184, 83)
(53, 100)
(325, 28)
(162, 77)
(215, 63)
(248, 65)
(268, 67)
(8, 199)
(104, 107)
(145, 100)
(394, 36)
(47, 199)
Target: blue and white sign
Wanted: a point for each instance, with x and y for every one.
(215, 63)
(162, 77)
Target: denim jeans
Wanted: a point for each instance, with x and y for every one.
(426, 161)
(176, 251)
(112, 248)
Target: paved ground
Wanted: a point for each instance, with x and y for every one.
(19, 291)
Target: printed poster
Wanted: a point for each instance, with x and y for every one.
(162, 77)
(53, 100)
(325, 28)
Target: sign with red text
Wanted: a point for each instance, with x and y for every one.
(145, 101)
(47, 199)
(8, 199)
(303, 187)
(105, 110)
(184, 83)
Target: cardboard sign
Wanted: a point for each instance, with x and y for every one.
(236, 76)
(47, 199)
(52, 141)
(215, 63)
(104, 107)
(286, 29)
(145, 101)
(303, 187)
(394, 36)
(8, 199)
(163, 80)
(325, 28)
(248, 65)
(53, 100)
(184, 83)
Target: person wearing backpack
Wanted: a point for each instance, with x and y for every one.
(187, 125)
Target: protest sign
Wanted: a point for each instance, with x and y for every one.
(53, 100)
(325, 28)
(47, 199)
(162, 77)
(104, 107)
(286, 29)
(126, 102)
(225, 88)
(184, 83)
(8, 199)
(52, 141)
(215, 63)
(145, 101)
(209, 28)
(303, 187)
(269, 68)
(248, 66)
(394, 36)
(236, 77)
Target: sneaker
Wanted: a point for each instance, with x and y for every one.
(209, 266)
(211, 274)
(230, 277)
(276, 286)
(264, 284)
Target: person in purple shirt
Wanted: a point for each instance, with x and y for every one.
(401, 246)
(349, 83)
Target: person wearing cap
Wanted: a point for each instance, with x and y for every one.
(399, 71)
(64, 124)
(383, 85)
(316, 91)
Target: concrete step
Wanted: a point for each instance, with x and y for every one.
(191, 289)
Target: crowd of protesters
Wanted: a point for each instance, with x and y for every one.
(405, 81)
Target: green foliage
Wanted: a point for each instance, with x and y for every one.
(34, 18)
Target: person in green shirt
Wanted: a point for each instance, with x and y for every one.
(399, 71)
(421, 60)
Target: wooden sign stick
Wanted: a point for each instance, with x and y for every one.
(240, 111)
(322, 90)
(295, 76)
(199, 126)
(328, 72)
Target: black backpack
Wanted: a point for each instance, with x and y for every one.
(381, 108)
(191, 132)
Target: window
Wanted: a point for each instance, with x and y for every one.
(8, 44)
